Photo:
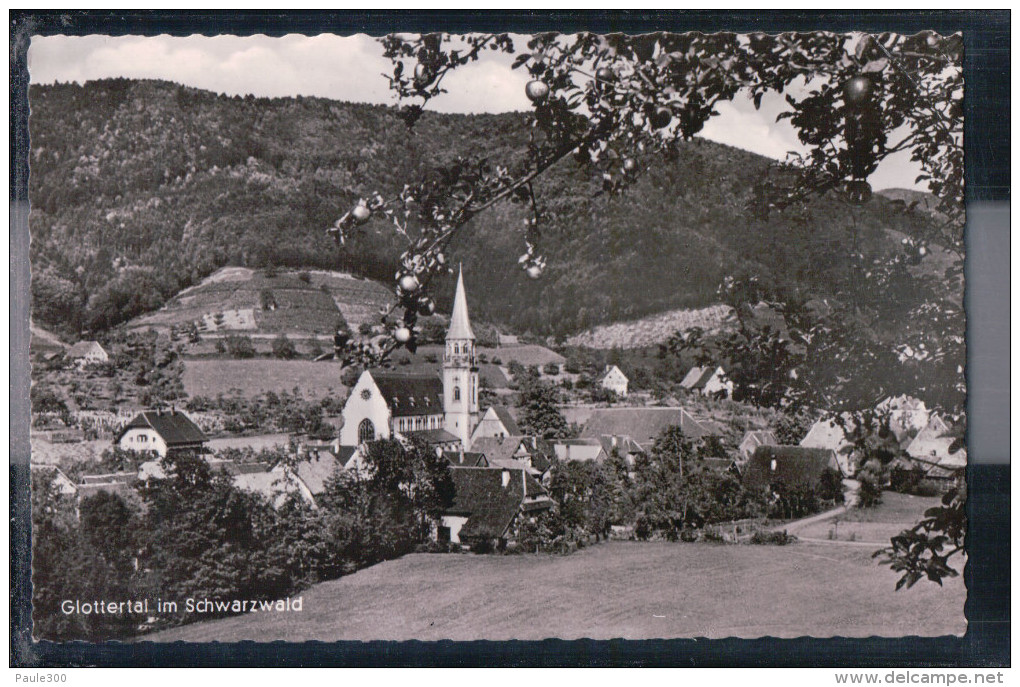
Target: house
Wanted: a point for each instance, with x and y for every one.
(488, 506)
(153, 469)
(159, 431)
(644, 425)
(88, 353)
(751, 441)
(614, 380)
(933, 449)
(496, 421)
(61, 482)
(382, 405)
(275, 486)
(828, 434)
(585, 450)
(793, 466)
(518, 452)
(707, 381)
(907, 416)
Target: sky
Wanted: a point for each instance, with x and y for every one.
(351, 68)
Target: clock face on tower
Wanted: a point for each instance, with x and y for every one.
(366, 394)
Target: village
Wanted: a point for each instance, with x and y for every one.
(501, 474)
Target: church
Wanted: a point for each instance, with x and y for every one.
(441, 410)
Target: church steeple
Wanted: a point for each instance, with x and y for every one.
(460, 325)
(460, 375)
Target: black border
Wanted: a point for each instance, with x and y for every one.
(987, 79)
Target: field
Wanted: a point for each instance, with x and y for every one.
(651, 330)
(872, 524)
(254, 377)
(617, 589)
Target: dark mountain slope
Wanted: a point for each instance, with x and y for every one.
(142, 188)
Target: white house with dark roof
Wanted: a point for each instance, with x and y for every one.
(495, 422)
(158, 431)
(707, 381)
(614, 380)
(88, 353)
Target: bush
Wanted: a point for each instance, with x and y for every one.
(431, 358)
(284, 347)
(365, 329)
(306, 277)
(551, 369)
(772, 538)
(240, 346)
(497, 360)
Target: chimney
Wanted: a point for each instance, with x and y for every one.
(506, 477)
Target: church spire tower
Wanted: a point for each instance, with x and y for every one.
(460, 373)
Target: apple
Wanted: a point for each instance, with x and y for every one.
(534, 272)
(605, 75)
(922, 251)
(361, 213)
(409, 283)
(629, 165)
(660, 117)
(858, 192)
(422, 75)
(536, 90)
(858, 90)
(426, 307)
(403, 334)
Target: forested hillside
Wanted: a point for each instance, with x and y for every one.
(142, 188)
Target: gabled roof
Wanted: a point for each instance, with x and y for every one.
(315, 470)
(491, 506)
(497, 448)
(826, 434)
(492, 375)
(528, 354)
(460, 325)
(644, 425)
(273, 485)
(174, 427)
(466, 459)
(433, 436)
(503, 413)
(580, 449)
(410, 394)
(758, 437)
(83, 348)
(623, 445)
(698, 377)
(791, 465)
(932, 445)
(692, 377)
(608, 371)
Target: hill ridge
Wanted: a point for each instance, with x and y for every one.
(142, 189)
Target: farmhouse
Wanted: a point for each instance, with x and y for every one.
(752, 440)
(792, 466)
(159, 431)
(707, 381)
(382, 405)
(644, 425)
(88, 353)
(488, 505)
(828, 434)
(614, 380)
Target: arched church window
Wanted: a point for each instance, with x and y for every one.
(366, 431)
(456, 393)
(456, 349)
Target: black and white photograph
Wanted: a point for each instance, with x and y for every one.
(497, 336)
